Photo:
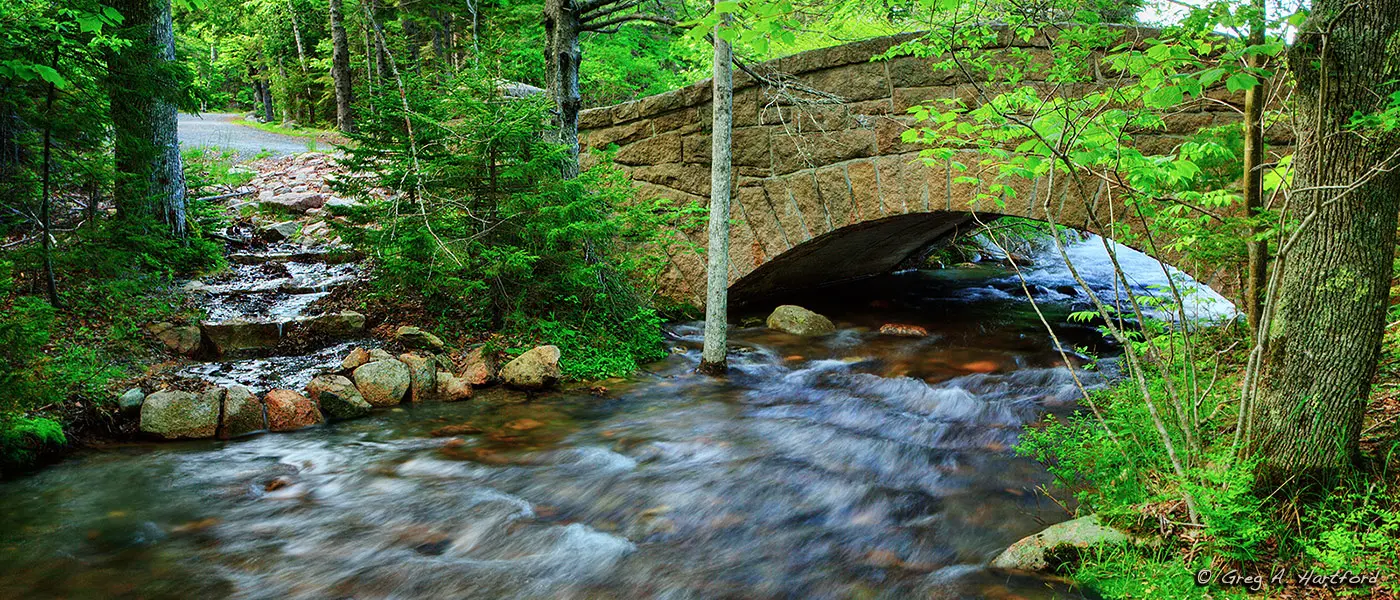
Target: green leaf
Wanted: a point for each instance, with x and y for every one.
(1241, 81)
(50, 75)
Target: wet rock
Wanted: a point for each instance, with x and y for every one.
(380, 354)
(243, 413)
(341, 324)
(1030, 553)
(903, 330)
(337, 397)
(305, 285)
(414, 338)
(422, 376)
(480, 367)
(357, 357)
(176, 415)
(237, 336)
(451, 388)
(799, 321)
(180, 339)
(277, 232)
(382, 382)
(130, 400)
(297, 202)
(534, 370)
(288, 410)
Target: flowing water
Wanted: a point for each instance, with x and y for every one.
(851, 465)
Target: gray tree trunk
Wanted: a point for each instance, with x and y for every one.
(1323, 336)
(150, 177)
(562, 57)
(340, 71)
(712, 357)
(1254, 99)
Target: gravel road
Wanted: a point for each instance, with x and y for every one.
(219, 131)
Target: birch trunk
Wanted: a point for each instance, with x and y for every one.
(712, 357)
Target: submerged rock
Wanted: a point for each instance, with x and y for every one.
(422, 371)
(903, 330)
(177, 415)
(536, 369)
(243, 413)
(415, 338)
(382, 382)
(337, 397)
(288, 410)
(799, 321)
(1035, 553)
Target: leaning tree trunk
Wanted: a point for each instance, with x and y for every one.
(1323, 337)
(150, 177)
(340, 70)
(562, 57)
(712, 357)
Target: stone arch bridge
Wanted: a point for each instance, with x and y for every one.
(830, 192)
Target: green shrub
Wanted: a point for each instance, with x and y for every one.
(482, 234)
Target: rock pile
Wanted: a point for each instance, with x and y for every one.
(366, 379)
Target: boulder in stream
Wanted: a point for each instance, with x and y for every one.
(238, 336)
(415, 338)
(243, 413)
(339, 324)
(796, 320)
(277, 232)
(380, 354)
(337, 397)
(536, 369)
(288, 410)
(480, 367)
(357, 357)
(422, 372)
(382, 382)
(451, 388)
(180, 339)
(180, 415)
(1037, 552)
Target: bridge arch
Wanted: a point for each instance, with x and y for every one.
(833, 183)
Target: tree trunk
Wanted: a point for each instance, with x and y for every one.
(45, 209)
(150, 177)
(268, 114)
(381, 54)
(712, 357)
(1254, 99)
(340, 71)
(1323, 336)
(562, 57)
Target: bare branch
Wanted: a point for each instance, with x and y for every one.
(609, 10)
(667, 21)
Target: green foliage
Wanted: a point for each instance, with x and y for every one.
(481, 233)
(22, 438)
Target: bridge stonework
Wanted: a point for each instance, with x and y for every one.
(830, 192)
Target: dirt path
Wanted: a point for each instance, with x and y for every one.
(219, 131)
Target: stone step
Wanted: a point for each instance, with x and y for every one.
(244, 337)
(330, 257)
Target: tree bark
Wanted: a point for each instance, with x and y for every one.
(562, 57)
(45, 209)
(1323, 336)
(150, 177)
(1254, 99)
(340, 71)
(712, 357)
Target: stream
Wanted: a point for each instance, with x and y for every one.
(850, 465)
